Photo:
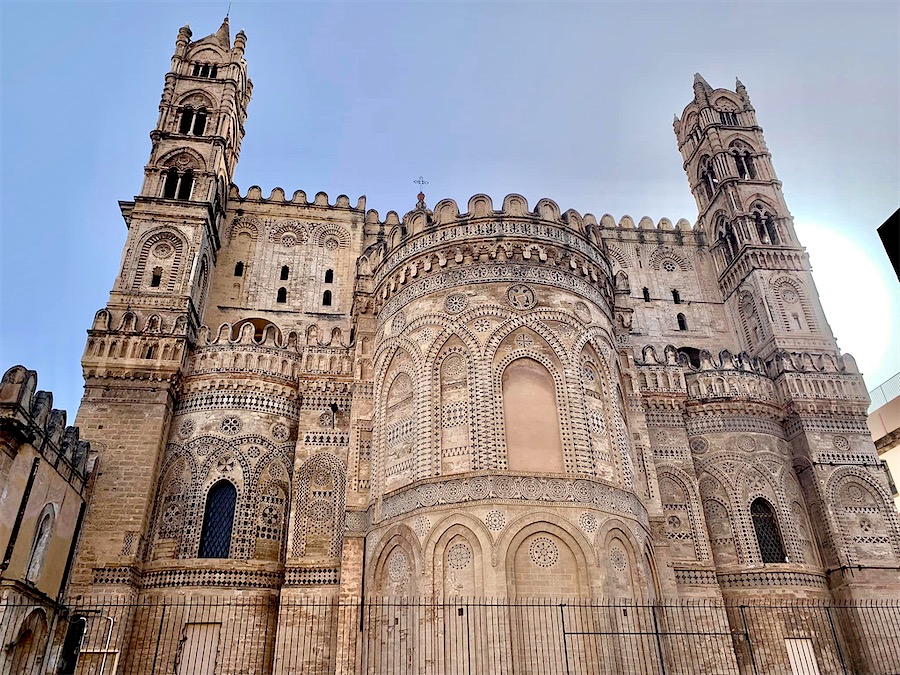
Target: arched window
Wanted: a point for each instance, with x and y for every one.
(708, 177)
(239, 269)
(728, 117)
(646, 294)
(766, 228)
(40, 545)
(282, 295)
(682, 322)
(285, 271)
(218, 521)
(726, 239)
(156, 278)
(170, 185)
(149, 354)
(326, 298)
(329, 276)
(676, 296)
(187, 120)
(743, 159)
(200, 122)
(768, 537)
(186, 184)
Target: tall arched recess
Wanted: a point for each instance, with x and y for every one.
(531, 418)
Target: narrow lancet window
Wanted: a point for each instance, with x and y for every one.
(282, 295)
(768, 536)
(239, 269)
(326, 298)
(218, 521)
(682, 322)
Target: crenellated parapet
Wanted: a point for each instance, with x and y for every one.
(28, 416)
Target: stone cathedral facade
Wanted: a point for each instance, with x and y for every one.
(295, 396)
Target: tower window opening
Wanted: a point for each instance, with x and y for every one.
(728, 117)
(239, 269)
(204, 70)
(214, 71)
(185, 185)
(646, 294)
(282, 295)
(285, 271)
(326, 298)
(156, 278)
(196, 71)
(149, 353)
(218, 521)
(676, 296)
(170, 185)
(200, 122)
(768, 536)
(682, 322)
(329, 276)
(187, 120)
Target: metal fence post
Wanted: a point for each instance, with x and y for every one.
(659, 647)
(747, 638)
(837, 643)
(562, 616)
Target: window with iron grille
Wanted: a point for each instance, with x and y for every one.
(215, 542)
(771, 548)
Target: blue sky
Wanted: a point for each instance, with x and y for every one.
(573, 101)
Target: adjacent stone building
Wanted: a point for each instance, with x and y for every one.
(294, 396)
(43, 492)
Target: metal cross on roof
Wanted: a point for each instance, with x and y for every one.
(420, 181)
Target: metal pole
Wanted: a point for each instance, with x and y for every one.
(162, 619)
(562, 616)
(659, 649)
(747, 638)
(837, 643)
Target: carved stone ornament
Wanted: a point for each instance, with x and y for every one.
(455, 303)
(520, 296)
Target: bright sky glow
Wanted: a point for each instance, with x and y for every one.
(572, 101)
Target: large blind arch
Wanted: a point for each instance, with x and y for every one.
(218, 520)
(531, 418)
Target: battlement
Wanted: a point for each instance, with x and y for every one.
(30, 415)
(299, 198)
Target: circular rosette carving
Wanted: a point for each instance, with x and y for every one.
(479, 487)
(588, 522)
(429, 494)
(495, 520)
(543, 552)
(618, 559)
(558, 490)
(583, 491)
(459, 556)
(454, 491)
(531, 488)
(505, 487)
(841, 443)
(455, 303)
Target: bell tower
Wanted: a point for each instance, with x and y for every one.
(139, 343)
(763, 271)
(197, 139)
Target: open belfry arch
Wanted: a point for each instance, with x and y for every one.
(293, 397)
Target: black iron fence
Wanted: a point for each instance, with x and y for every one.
(282, 635)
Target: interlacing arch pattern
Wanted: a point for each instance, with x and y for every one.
(424, 338)
(320, 503)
